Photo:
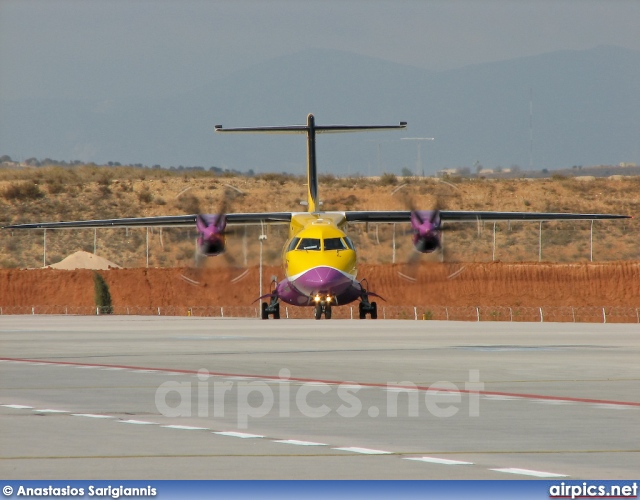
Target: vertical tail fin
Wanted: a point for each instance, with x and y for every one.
(312, 170)
(311, 129)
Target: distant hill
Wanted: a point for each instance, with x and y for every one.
(586, 111)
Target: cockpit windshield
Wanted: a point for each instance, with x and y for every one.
(334, 244)
(293, 244)
(309, 244)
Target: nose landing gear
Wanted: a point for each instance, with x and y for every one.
(323, 306)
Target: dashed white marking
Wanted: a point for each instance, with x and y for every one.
(527, 472)
(18, 407)
(299, 443)
(144, 371)
(613, 407)
(242, 435)
(442, 461)
(365, 451)
(137, 422)
(551, 402)
(112, 368)
(90, 415)
(493, 397)
(185, 427)
(48, 410)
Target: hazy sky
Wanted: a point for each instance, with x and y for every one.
(101, 49)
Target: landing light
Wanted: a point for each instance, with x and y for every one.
(317, 298)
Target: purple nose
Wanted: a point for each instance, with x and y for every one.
(323, 279)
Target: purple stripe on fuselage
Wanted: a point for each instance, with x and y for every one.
(323, 280)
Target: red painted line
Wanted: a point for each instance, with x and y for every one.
(338, 382)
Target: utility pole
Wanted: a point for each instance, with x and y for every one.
(419, 169)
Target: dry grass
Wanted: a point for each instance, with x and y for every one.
(87, 192)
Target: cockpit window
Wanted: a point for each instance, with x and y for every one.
(293, 244)
(309, 244)
(349, 243)
(334, 244)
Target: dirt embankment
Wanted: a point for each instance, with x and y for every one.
(477, 284)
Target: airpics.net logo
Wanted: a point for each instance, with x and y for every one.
(286, 397)
(590, 490)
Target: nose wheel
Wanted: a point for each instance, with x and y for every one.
(322, 309)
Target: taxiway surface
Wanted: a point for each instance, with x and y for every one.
(185, 398)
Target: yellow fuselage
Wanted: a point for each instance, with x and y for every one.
(334, 249)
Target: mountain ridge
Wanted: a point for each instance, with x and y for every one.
(585, 103)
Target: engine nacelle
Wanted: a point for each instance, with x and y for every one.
(427, 243)
(211, 241)
(211, 247)
(426, 231)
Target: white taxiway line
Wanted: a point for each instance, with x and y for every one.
(442, 461)
(137, 422)
(527, 472)
(365, 451)
(299, 443)
(185, 427)
(90, 415)
(242, 435)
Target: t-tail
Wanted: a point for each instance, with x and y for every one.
(311, 129)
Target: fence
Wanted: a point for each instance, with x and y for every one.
(442, 313)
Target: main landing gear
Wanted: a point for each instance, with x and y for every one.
(365, 307)
(271, 309)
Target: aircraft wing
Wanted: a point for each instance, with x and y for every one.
(160, 221)
(285, 218)
(474, 216)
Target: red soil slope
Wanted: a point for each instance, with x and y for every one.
(615, 284)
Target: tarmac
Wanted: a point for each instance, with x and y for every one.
(140, 397)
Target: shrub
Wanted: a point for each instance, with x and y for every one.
(145, 196)
(387, 179)
(21, 191)
(102, 294)
(189, 204)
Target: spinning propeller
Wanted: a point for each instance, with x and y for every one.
(426, 227)
(211, 242)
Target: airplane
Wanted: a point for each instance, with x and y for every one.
(319, 259)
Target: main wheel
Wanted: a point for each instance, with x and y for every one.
(318, 311)
(265, 314)
(374, 310)
(276, 313)
(327, 312)
(361, 310)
